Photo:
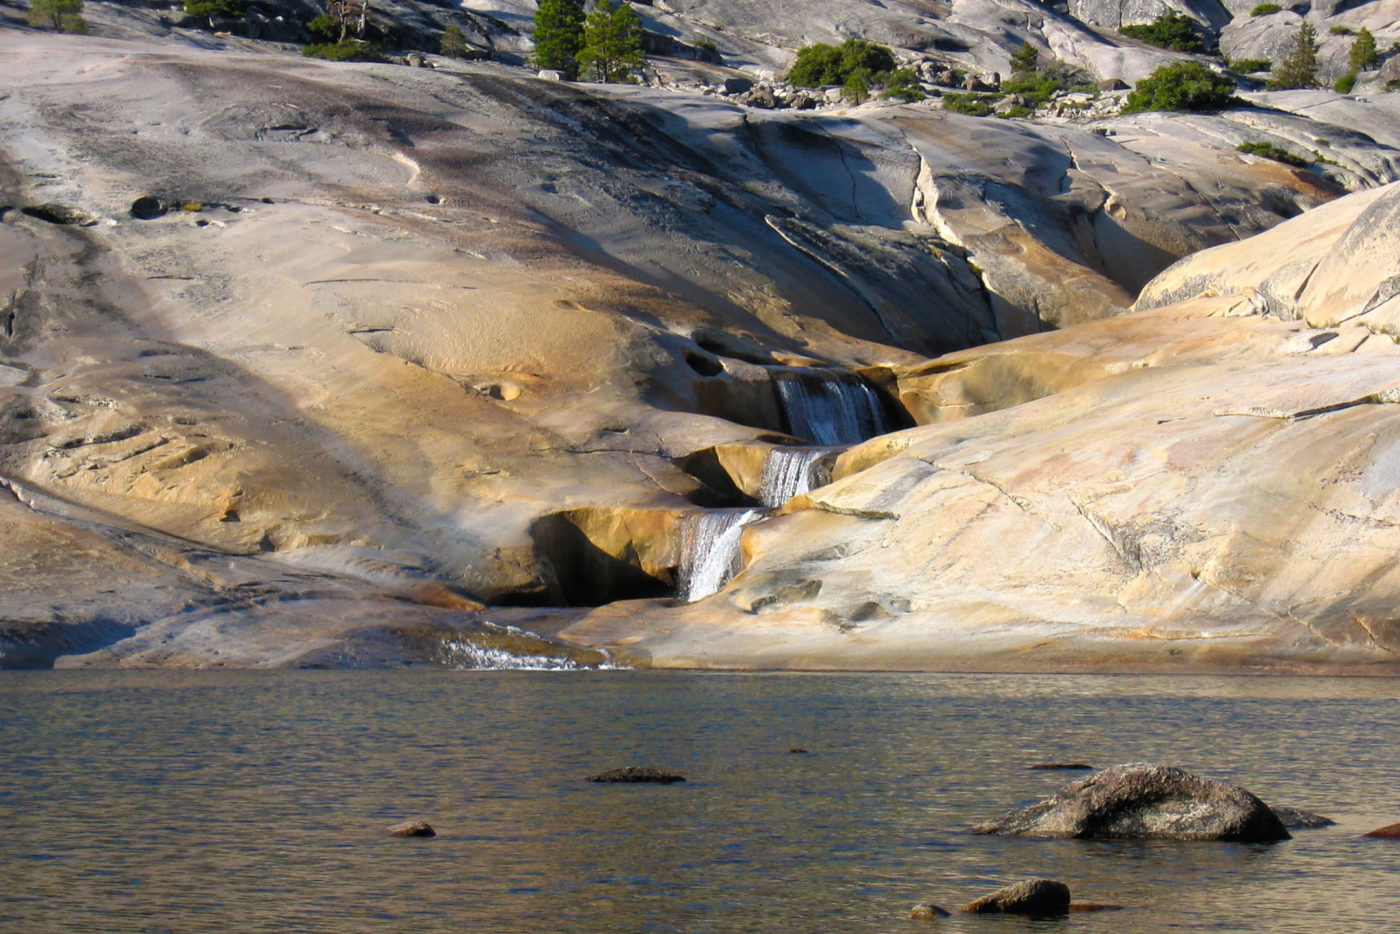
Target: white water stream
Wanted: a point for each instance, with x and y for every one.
(711, 555)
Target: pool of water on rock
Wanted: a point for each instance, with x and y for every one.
(257, 801)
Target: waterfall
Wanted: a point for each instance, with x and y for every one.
(710, 553)
(786, 473)
(825, 408)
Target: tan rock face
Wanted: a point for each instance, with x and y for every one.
(406, 342)
(1195, 486)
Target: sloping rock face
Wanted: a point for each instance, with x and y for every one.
(1142, 801)
(1197, 484)
(390, 321)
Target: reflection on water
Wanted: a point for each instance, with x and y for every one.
(256, 801)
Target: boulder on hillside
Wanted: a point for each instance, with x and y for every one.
(1042, 897)
(1144, 801)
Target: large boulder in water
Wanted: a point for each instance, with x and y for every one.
(1141, 800)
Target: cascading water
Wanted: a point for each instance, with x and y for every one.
(828, 409)
(710, 553)
(786, 473)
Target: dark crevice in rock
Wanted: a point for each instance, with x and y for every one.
(579, 573)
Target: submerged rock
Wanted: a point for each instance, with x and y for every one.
(1142, 800)
(634, 773)
(413, 828)
(1297, 818)
(927, 911)
(1028, 897)
(1051, 766)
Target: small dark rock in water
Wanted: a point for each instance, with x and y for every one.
(926, 911)
(1299, 819)
(1144, 801)
(797, 751)
(1060, 765)
(1388, 832)
(1094, 906)
(1028, 897)
(413, 828)
(637, 774)
(148, 207)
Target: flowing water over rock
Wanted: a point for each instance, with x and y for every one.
(829, 407)
(711, 553)
(788, 472)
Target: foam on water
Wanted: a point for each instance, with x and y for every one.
(468, 655)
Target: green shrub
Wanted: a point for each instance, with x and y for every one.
(351, 50)
(216, 9)
(821, 64)
(326, 28)
(1346, 82)
(1249, 66)
(1183, 86)
(62, 15)
(972, 104)
(1264, 9)
(903, 85)
(1171, 30)
(706, 45)
(1038, 86)
(1342, 31)
(1270, 151)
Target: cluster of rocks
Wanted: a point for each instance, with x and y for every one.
(1133, 801)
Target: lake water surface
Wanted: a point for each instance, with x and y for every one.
(257, 801)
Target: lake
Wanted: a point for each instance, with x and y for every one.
(174, 801)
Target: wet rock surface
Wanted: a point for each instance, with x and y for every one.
(1144, 801)
(1299, 819)
(1038, 897)
(412, 828)
(633, 774)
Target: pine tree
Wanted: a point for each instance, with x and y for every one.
(612, 43)
(1024, 60)
(63, 15)
(558, 35)
(454, 44)
(1363, 51)
(1299, 69)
